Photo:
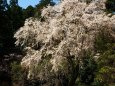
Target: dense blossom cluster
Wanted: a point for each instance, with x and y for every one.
(65, 30)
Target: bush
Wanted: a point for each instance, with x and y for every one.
(106, 62)
(17, 72)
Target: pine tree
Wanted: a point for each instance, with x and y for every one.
(3, 4)
(13, 2)
(29, 12)
(110, 5)
(16, 15)
(42, 3)
(11, 18)
(4, 25)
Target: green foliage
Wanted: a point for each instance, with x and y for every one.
(103, 41)
(87, 71)
(12, 18)
(33, 82)
(5, 26)
(13, 3)
(17, 72)
(15, 15)
(3, 4)
(80, 73)
(106, 62)
(44, 3)
(41, 5)
(110, 5)
(106, 71)
(10, 21)
(29, 12)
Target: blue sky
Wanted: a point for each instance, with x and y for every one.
(25, 3)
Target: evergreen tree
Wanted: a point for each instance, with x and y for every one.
(3, 4)
(11, 17)
(4, 25)
(110, 5)
(16, 15)
(29, 12)
(42, 3)
(13, 2)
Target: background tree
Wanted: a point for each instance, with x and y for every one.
(15, 20)
(106, 62)
(15, 14)
(42, 3)
(29, 12)
(110, 5)
(4, 25)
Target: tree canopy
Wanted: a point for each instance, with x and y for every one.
(65, 47)
(68, 44)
